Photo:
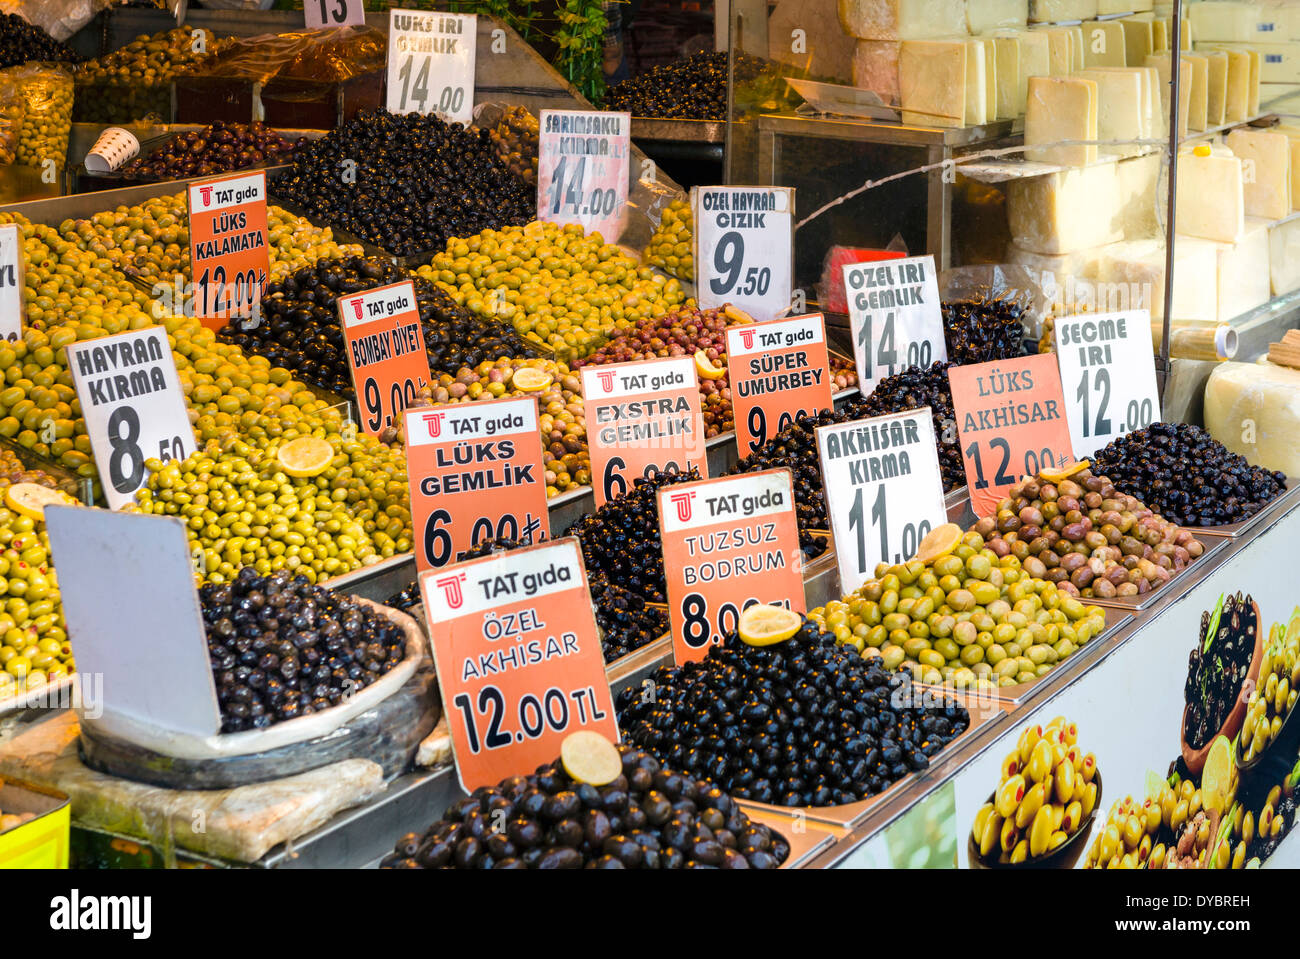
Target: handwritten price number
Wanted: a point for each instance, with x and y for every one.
(336, 10)
(400, 397)
(534, 715)
(913, 533)
(450, 100)
(729, 261)
(1034, 461)
(699, 631)
(615, 483)
(126, 462)
(216, 293)
(437, 538)
(1136, 416)
(600, 203)
(885, 354)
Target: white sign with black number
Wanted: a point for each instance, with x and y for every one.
(582, 169)
(431, 63)
(334, 13)
(884, 491)
(11, 281)
(131, 398)
(744, 248)
(894, 316)
(1108, 376)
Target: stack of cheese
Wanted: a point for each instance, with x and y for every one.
(1252, 409)
(1266, 32)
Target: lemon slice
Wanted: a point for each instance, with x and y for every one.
(1216, 777)
(762, 625)
(30, 499)
(705, 367)
(590, 758)
(306, 456)
(531, 380)
(938, 543)
(1155, 785)
(1065, 472)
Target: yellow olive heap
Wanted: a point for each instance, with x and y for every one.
(670, 247)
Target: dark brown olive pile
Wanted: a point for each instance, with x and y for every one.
(693, 88)
(806, 722)
(282, 648)
(419, 182)
(1215, 675)
(515, 136)
(22, 42)
(299, 327)
(915, 387)
(218, 148)
(647, 818)
(1185, 474)
(980, 331)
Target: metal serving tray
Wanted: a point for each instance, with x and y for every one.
(1235, 530)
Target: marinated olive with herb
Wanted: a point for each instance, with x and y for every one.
(1218, 665)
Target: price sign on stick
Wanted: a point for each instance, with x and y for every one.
(518, 658)
(11, 281)
(334, 13)
(431, 63)
(1010, 424)
(744, 247)
(894, 316)
(884, 491)
(229, 259)
(642, 418)
(131, 398)
(475, 471)
(728, 543)
(582, 169)
(1109, 376)
(778, 371)
(385, 346)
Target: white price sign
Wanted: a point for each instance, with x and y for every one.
(11, 281)
(431, 63)
(884, 491)
(895, 317)
(131, 398)
(582, 172)
(1108, 376)
(744, 247)
(334, 13)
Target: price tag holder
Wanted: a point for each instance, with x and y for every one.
(582, 170)
(642, 418)
(475, 471)
(894, 316)
(744, 247)
(229, 258)
(386, 353)
(728, 543)
(431, 63)
(777, 371)
(334, 13)
(11, 281)
(518, 658)
(1010, 424)
(1109, 376)
(131, 398)
(884, 490)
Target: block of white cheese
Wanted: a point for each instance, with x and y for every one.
(990, 76)
(1265, 171)
(1215, 20)
(1198, 92)
(823, 49)
(1159, 36)
(1006, 68)
(1244, 271)
(1076, 46)
(1293, 134)
(1106, 8)
(1284, 256)
(903, 19)
(1121, 111)
(1135, 270)
(1161, 62)
(1059, 51)
(1056, 11)
(1252, 93)
(1236, 107)
(1035, 56)
(984, 16)
(1141, 201)
(1278, 62)
(875, 67)
(1216, 91)
(1065, 212)
(1185, 35)
(1061, 109)
(1254, 409)
(1103, 44)
(1139, 40)
(1067, 281)
(977, 104)
(932, 82)
(1210, 202)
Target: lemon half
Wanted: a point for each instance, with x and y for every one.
(305, 456)
(939, 542)
(531, 380)
(590, 758)
(762, 625)
(1065, 472)
(30, 499)
(705, 367)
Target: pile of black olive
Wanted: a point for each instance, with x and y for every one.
(806, 722)
(693, 88)
(983, 330)
(648, 818)
(281, 647)
(1215, 675)
(299, 325)
(419, 181)
(219, 148)
(911, 389)
(1186, 475)
(22, 42)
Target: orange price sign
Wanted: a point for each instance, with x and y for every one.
(475, 471)
(518, 658)
(642, 418)
(385, 347)
(1010, 423)
(778, 371)
(229, 259)
(728, 543)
